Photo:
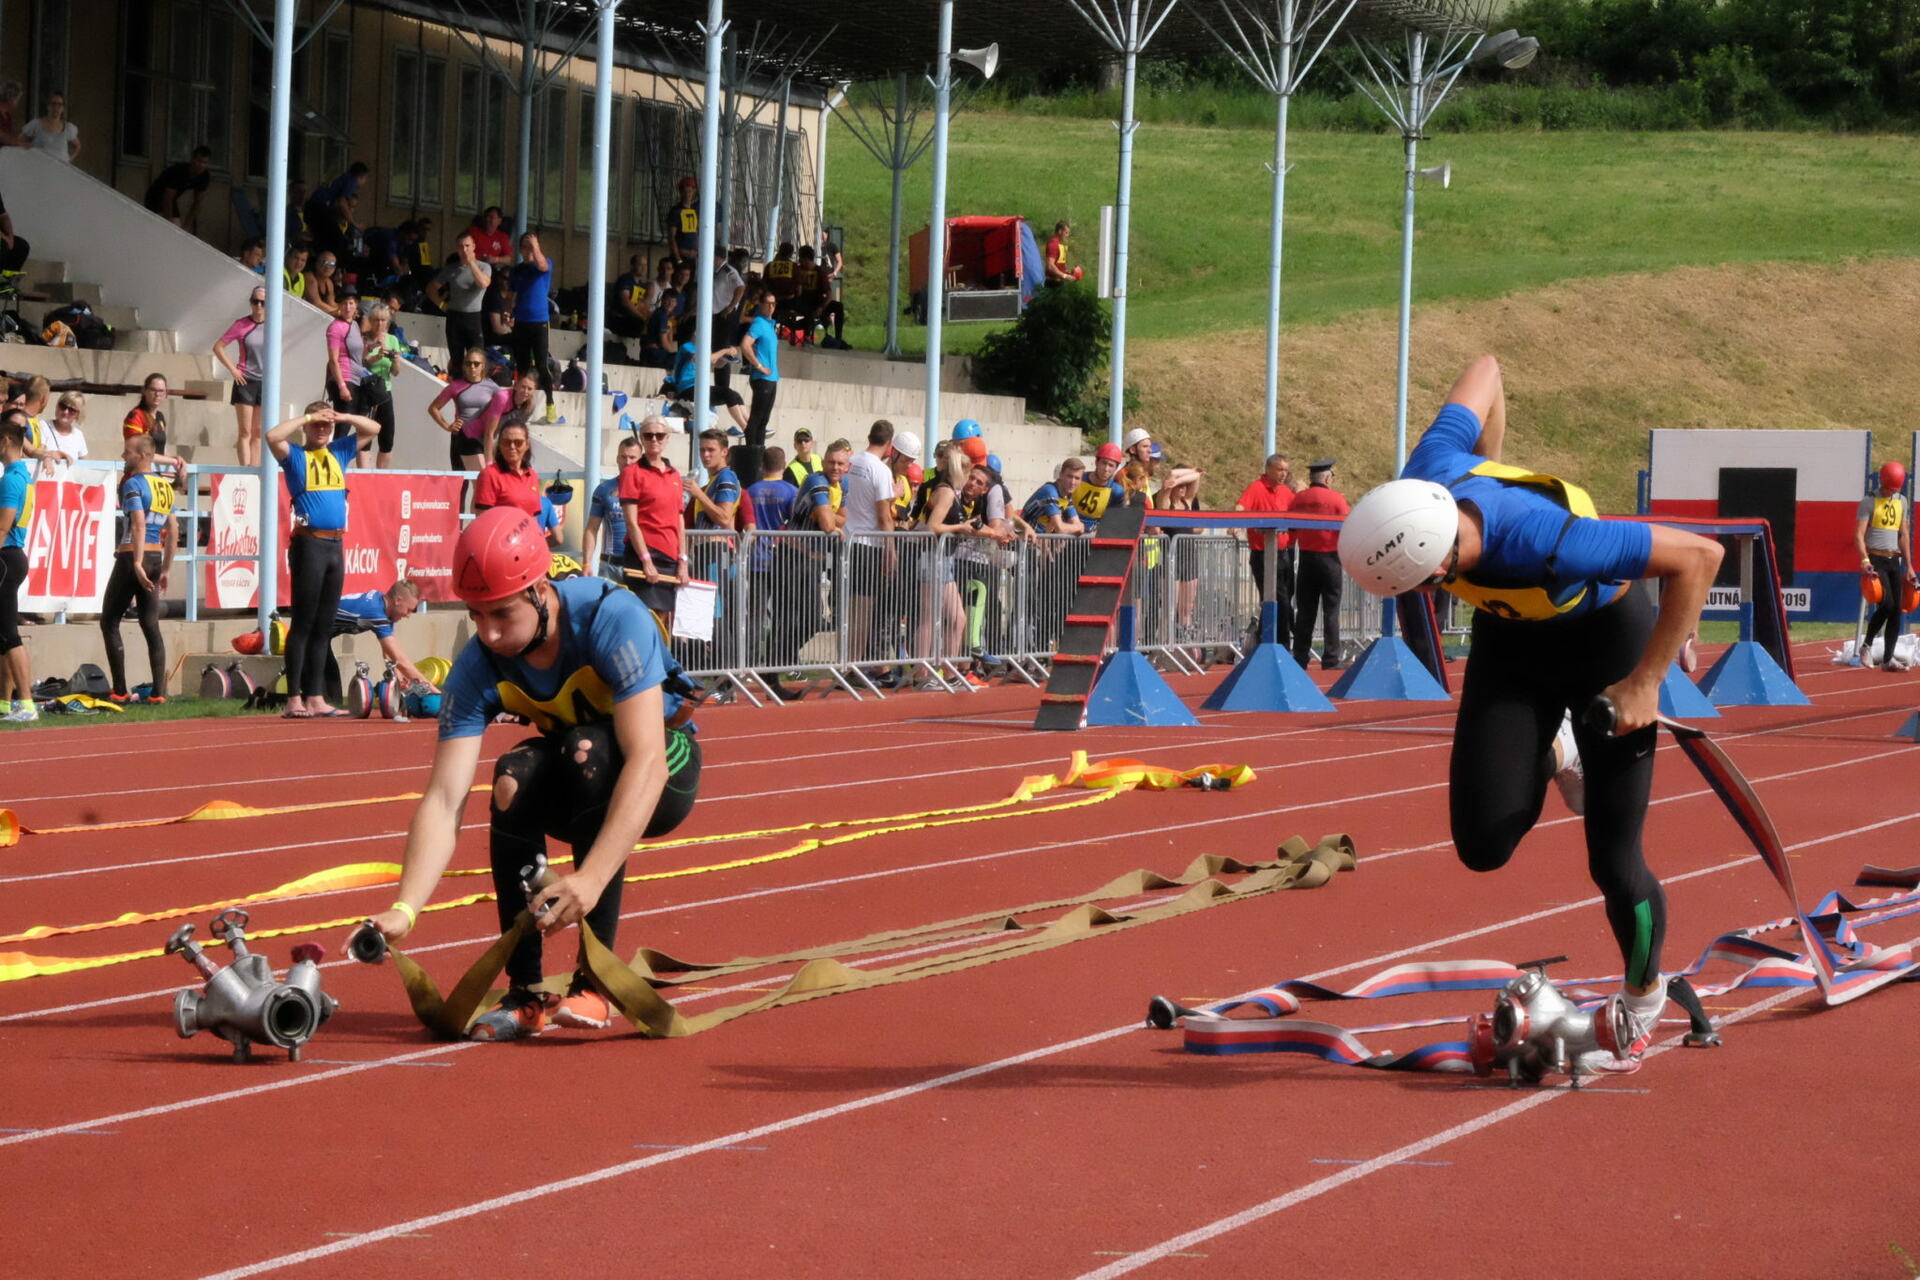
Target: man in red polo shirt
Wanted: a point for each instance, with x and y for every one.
(1320, 578)
(652, 498)
(1270, 492)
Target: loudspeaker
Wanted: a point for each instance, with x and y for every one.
(986, 60)
(1442, 174)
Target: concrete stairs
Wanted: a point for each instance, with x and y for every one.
(48, 280)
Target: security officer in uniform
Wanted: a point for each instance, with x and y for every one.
(1317, 588)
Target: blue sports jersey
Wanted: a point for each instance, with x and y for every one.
(549, 517)
(610, 651)
(766, 348)
(1544, 560)
(145, 503)
(816, 492)
(723, 486)
(1043, 506)
(363, 611)
(772, 500)
(16, 491)
(684, 363)
(606, 505)
(530, 284)
(317, 481)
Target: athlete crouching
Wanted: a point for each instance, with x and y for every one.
(1561, 616)
(585, 664)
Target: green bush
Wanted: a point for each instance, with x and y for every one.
(1051, 353)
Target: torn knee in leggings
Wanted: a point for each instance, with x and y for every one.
(508, 774)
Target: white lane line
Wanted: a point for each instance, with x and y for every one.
(1400, 1155)
(894, 1095)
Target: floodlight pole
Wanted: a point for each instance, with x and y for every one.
(280, 118)
(716, 31)
(1416, 101)
(597, 246)
(779, 166)
(1268, 39)
(529, 50)
(942, 80)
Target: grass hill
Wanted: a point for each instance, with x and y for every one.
(1711, 279)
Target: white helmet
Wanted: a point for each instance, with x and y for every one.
(907, 445)
(1399, 535)
(1137, 436)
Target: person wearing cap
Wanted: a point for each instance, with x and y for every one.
(1095, 493)
(804, 462)
(1883, 535)
(1561, 617)
(1318, 584)
(316, 476)
(613, 760)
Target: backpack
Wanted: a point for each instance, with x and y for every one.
(90, 332)
(89, 678)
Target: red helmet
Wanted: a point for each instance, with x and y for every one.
(500, 554)
(1893, 476)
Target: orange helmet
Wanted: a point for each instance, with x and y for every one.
(1870, 589)
(251, 642)
(500, 554)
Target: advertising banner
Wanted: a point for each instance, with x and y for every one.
(70, 543)
(398, 526)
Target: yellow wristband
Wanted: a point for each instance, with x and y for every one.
(413, 917)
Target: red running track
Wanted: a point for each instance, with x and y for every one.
(1010, 1119)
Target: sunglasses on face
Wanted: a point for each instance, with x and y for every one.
(256, 302)
(654, 435)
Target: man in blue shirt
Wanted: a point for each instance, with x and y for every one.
(16, 513)
(760, 351)
(604, 544)
(529, 282)
(585, 664)
(316, 476)
(376, 612)
(1560, 618)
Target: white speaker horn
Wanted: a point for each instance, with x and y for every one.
(986, 60)
(1440, 173)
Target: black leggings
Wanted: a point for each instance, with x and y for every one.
(123, 587)
(1522, 677)
(15, 258)
(13, 576)
(563, 785)
(318, 571)
(529, 342)
(1893, 577)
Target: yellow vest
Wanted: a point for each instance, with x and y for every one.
(1091, 499)
(1529, 602)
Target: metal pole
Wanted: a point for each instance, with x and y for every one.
(937, 218)
(716, 32)
(779, 167)
(1117, 365)
(730, 96)
(899, 166)
(281, 115)
(597, 245)
(1279, 223)
(528, 52)
(1416, 116)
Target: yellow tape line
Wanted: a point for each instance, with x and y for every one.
(1106, 779)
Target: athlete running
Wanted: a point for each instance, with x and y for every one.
(1560, 617)
(585, 664)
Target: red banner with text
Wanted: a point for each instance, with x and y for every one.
(397, 526)
(69, 544)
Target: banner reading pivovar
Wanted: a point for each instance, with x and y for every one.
(398, 525)
(70, 544)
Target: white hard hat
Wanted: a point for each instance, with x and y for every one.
(1136, 436)
(1399, 535)
(907, 445)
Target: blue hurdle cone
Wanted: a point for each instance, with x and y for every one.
(1747, 676)
(1389, 671)
(1129, 692)
(1267, 679)
(1911, 729)
(1681, 699)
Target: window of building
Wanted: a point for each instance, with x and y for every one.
(584, 167)
(202, 73)
(414, 152)
(550, 128)
(137, 65)
(51, 28)
(479, 161)
(657, 162)
(334, 63)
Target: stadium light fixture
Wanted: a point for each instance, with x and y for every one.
(1510, 49)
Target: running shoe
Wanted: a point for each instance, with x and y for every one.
(521, 1014)
(19, 716)
(1643, 1023)
(1567, 774)
(155, 698)
(553, 413)
(122, 698)
(973, 678)
(584, 1008)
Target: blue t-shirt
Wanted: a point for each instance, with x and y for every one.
(723, 486)
(363, 611)
(549, 517)
(1043, 507)
(766, 348)
(529, 284)
(1527, 540)
(681, 379)
(317, 481)
(771, 500)
(16, 491)
(815, 493)
(613, 521)
(610, 651)
(145, 503)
